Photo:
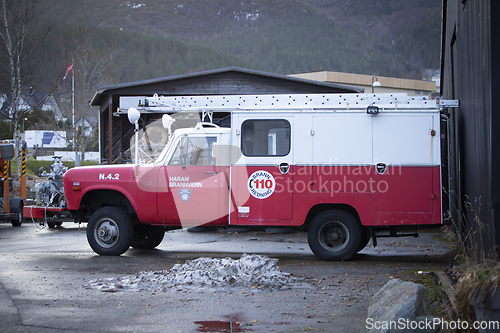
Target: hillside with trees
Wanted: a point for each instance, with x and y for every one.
(154, 38)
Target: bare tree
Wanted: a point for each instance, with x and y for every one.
(20, 36)
(92, 66)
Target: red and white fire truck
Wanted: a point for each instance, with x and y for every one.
(346, 168)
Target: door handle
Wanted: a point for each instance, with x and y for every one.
(214, 172)
(284, 167)
(381, 168)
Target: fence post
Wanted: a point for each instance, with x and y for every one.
(6, 194)
(23, 173)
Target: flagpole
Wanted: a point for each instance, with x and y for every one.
(71, 69)
(77, 158)
(73, 100)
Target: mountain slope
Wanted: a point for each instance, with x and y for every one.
(384, 37)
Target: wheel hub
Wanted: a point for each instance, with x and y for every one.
(107, 233)
(334, 236)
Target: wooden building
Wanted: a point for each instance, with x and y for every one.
(116, 131)
(469, 71)
(383, 84)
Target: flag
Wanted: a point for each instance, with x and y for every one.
(69, 69)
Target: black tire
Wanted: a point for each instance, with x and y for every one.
(52, 225)
(147, 237)
(334, 235)
(109, 231)
(16, 206)
(364, 242)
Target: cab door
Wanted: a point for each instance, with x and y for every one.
(262, 179)
(192, 179)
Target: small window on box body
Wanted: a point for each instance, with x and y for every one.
(263, 137)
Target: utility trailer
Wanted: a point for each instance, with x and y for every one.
(46, 215)
(346, 168)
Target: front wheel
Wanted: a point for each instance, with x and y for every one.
(334, 235)
(109, 231)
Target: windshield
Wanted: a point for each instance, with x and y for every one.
(165, 150)
(193, 150)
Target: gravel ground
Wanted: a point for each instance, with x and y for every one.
(45, 277)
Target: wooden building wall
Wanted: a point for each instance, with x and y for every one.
(470, 73)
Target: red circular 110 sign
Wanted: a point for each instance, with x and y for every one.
(261, 184)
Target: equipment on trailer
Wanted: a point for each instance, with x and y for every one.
(50, 192)
(50, 203)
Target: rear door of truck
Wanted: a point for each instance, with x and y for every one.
(406, 157)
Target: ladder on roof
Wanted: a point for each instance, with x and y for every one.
(227, 103)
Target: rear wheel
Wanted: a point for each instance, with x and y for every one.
(147, 237)
(16, 208)
(364, 242)
(109, 231)
(334, 235)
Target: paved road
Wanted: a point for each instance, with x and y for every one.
(43, 274)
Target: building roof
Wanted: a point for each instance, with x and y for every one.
(30, 100)
(131, 87)
(366, 81)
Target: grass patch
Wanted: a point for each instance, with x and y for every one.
(33, 166)
(476, 286)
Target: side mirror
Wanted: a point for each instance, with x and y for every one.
(133, 115)
(167, 122)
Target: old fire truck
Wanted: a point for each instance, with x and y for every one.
(346, 168)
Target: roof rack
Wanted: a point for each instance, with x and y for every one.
(228, 103)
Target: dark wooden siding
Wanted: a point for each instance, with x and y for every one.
(225, 83)
(467, 74)
(495, 117)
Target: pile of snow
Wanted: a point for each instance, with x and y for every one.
(250, 271)
(135, 5)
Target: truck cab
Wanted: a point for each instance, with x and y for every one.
(193, 178)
